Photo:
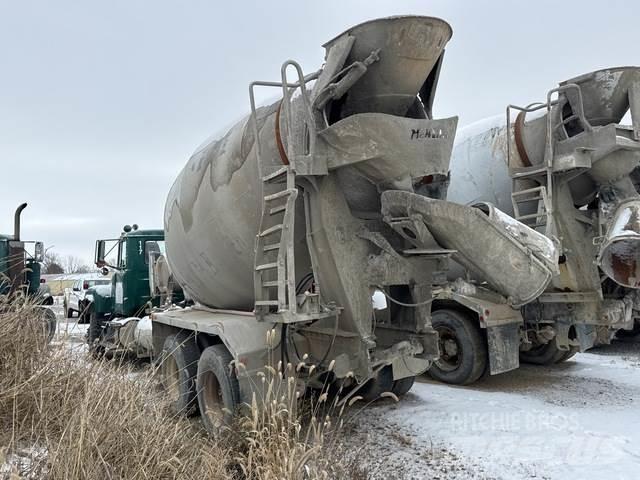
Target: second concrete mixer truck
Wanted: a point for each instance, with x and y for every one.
(568, 168)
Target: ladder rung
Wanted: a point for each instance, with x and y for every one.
(529, 173)
(531, 215)
(266, 303)
(266, 266)
(523, 200)
(528, 190)
(283, 193)
(270, 283)
(271, 246)
(269, 231)
(279, 209)
(277, 174)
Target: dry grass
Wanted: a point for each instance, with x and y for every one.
(64, 416)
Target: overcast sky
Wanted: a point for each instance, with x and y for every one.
(102, 102)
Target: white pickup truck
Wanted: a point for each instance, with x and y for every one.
(74, 296)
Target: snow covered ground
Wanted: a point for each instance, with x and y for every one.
(578, 420)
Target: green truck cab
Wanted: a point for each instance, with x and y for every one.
(20, 270)
(129, 293)
(20, 264)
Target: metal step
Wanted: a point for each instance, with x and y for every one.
(529, 190)
(276, 210)
(277, 175)
(530, 216)
(266, 266)
(270, 283)
(283, 193)
(269, 231)
(523, 200)
(527, 172)
(270, 247)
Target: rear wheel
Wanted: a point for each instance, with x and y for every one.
(82, 318)
(217, 388)
(94, 332)
(463, 349)
(50, 323)
(547, 354)
(68, 313)
(381, 383)
(401, 387)
(634, 332)
(178, 369)
(567, 354)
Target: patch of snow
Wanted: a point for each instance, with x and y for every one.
(570, 421)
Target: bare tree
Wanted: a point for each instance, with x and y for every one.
(51, 263)
(73, 264)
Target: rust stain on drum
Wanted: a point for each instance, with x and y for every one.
(281, 150)
(517, 136)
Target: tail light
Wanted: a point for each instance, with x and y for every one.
(85, 285)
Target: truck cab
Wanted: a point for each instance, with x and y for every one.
(128, 294)
(20, 263)
(20, 270)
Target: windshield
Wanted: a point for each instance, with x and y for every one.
(93, 283)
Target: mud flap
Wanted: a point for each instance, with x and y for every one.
(503, 342)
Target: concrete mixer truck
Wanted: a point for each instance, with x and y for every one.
(276, 229)
(285, 230)
(282, 231)
(567, 169)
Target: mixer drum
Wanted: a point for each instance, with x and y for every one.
(213, 210)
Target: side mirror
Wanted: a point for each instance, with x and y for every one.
(104, 271)
(38, 252)
(100, 253)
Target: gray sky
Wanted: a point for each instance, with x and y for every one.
(101, 103)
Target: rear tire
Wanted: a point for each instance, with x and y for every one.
(381, 383)
(217, 388)
(94, 333)
(546, 354)
(463, 349)
(634, 332)
(401, 387)
(50, 323)
(82, 317)
(179, 367)
(68, 313)
(567, 354)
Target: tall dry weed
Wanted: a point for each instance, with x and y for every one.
(65, 416)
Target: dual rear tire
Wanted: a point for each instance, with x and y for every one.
(204, 383)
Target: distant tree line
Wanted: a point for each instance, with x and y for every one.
(55, 263)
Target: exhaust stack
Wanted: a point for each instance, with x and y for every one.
(16, 222)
